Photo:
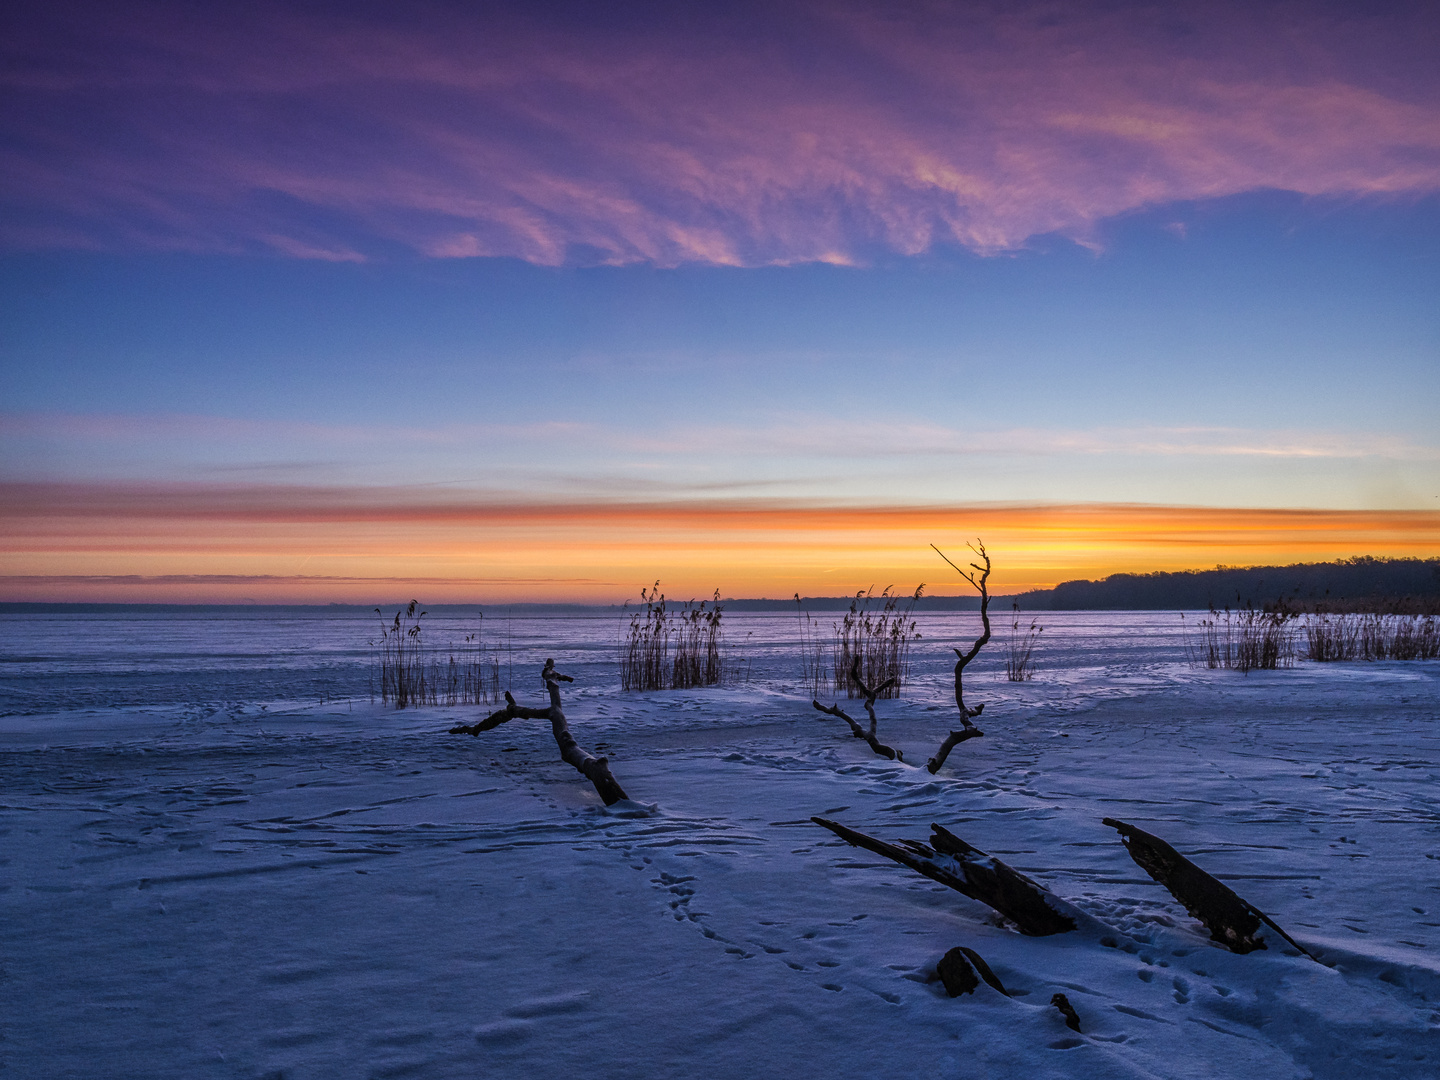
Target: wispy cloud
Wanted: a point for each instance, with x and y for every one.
(733, 135)
(901, 437)
(797, 436)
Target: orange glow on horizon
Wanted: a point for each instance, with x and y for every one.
(294, 545)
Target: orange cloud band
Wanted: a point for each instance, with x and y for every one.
(84, 543)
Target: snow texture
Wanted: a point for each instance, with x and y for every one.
(220, 859)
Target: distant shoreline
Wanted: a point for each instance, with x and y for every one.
(1360, 584)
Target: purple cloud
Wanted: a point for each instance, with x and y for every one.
(676, 133)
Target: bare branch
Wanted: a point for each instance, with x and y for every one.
(855, 728)
(859, 732)
(595, 769)
(957, 569)
(954, 739)
(979, 580)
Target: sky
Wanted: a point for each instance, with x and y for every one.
(498, 302)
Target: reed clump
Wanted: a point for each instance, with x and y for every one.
(698, 640)
(1020, 656)
(1371, 636)
(880, 638)
(408, 672)
(1251, 639)
(665, 648)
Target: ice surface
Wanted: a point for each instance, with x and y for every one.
(221, 859)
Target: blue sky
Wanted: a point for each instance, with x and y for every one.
(792, 257)
(1272, 349)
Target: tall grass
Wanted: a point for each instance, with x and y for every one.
(1373, 636)
(646, 650)
(814, 670)
(698, 658)
(1020, 656)
(1252, 639)
(879, 637)
(665, 648)
(409, 672)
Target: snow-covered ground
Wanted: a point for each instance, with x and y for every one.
(220, 859)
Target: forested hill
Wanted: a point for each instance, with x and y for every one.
(1354, 584)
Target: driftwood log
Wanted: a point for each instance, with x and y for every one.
(978, 579)
(595, 769)
(856, 728)
(1232, 920)
(968, 870)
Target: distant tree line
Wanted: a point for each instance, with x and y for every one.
(1406, 586)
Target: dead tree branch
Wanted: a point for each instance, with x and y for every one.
(977, 579)
(968, 870)
(595, 769)
(1231, 920)
(855, 728)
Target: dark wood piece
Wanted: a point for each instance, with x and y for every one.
(968, 870)
(956, 973)
(954, 739)
(855, 728)
(595, 769)
(958, 969)
(1072, 1018)
(983, 970)
(967, 730)
(1232, 920)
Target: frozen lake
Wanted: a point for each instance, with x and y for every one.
(221, 858)
(67, 662)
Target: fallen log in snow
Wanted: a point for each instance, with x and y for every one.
(968, 870)
(595, 769)
(1232, 920)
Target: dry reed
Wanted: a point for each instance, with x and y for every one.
(697, 633)
(408, 673)
(814, 671)
(1253, 639)
(1020, 657)
(1372, 636)
(881, 639)
(698, 640)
